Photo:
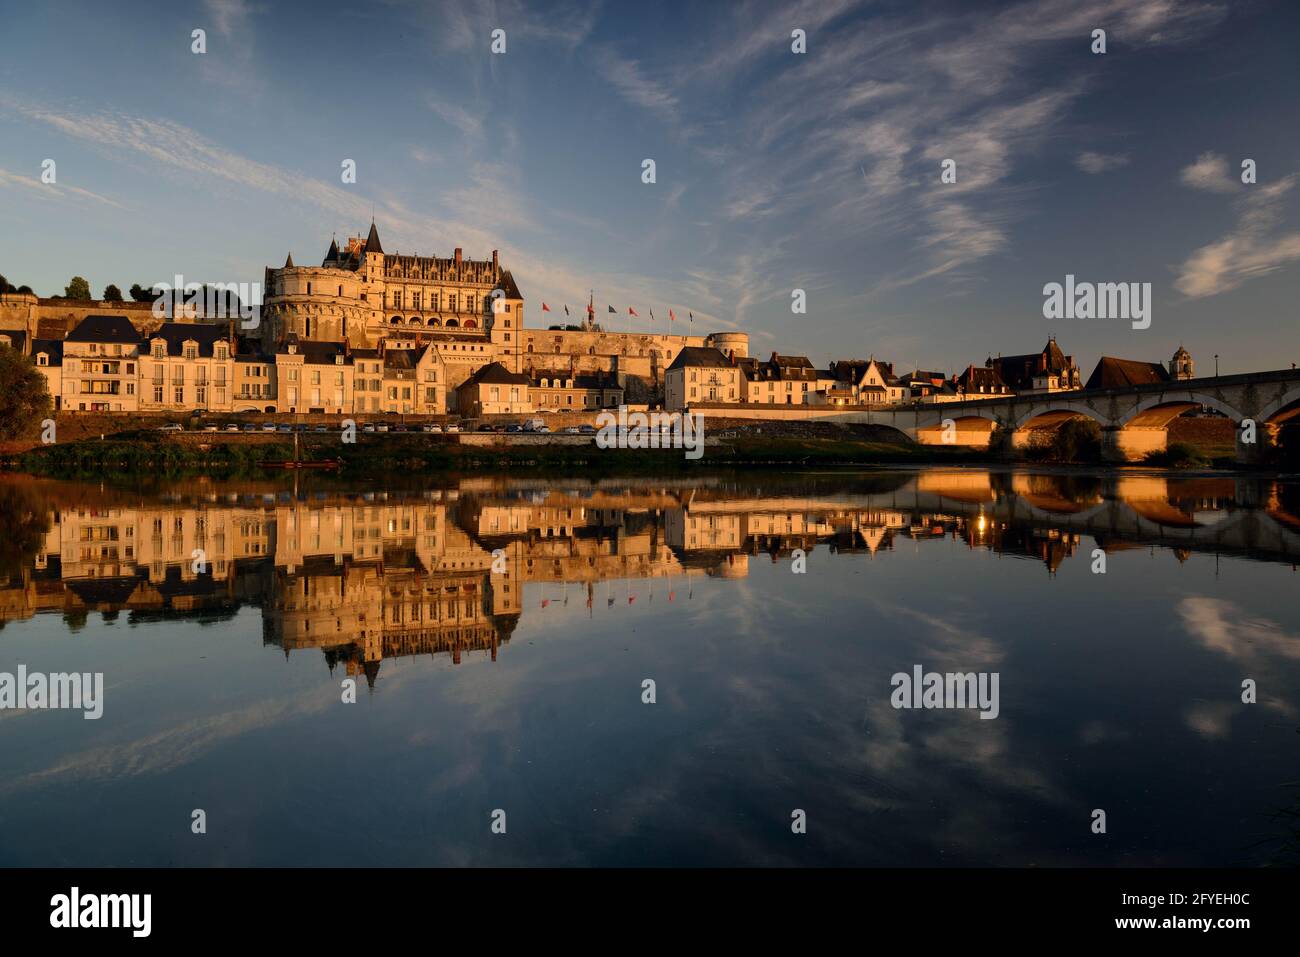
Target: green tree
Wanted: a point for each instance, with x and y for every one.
(4, 284)
(78, 288)
(141, 294)
(112, 293)
(24, 397)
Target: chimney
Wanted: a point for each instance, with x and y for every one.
(495, 264)
(731, 356)
(458, 255)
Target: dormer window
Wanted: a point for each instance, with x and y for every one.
(293, 349)
(42, 359)
(159, 350)
(191, 351)
(338, 359)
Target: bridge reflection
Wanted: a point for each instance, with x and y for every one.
(365, 576)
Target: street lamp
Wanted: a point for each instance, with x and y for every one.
(1216, 365)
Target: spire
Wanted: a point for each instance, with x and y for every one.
(288, 263)
(333, 255)
(372, 241)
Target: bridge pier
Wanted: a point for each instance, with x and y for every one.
(1131, 444)
(1261, 450)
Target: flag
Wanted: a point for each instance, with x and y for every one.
(545, 602)
(692, 315)
(671, 317)
(632, 312)
(545, 308)
(631, 598)
(612, 309)
(652, 315)
(566, 308)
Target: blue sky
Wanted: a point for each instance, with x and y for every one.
(775, 170)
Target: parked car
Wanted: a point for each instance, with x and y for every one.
(231, 427)
(570, 430)
(453, 428)
(431, 427)
(209, 428)
(542, 429)
(489, 427)
(268, 426)
(514, 427)
(368, 427)
(285, 428)
(322, 428)
(586, 429)
(250, 427)
(172, 427)
(399, 428)
(382, 427)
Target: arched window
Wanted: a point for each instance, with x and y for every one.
(530, 347)
(396, 320)
(471, 324)
(416, 321)
(452, 324)
(435, 321)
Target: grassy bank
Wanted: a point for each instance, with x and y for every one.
(386, 455)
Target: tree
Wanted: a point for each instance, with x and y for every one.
(4, 284)
(78, 288)
(24, 396)
(112, 293)
(140, 294)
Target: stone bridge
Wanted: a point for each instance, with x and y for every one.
(1133, 421)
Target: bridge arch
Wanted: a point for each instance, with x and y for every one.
(1279, 408)
(1050, 414)
(1157, 411)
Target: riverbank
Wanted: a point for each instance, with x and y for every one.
(729, 446)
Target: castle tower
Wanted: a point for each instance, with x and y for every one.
(1181, 365)
(504, 318)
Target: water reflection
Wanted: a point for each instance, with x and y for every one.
(367, 576)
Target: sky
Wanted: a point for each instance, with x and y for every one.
(774, 170)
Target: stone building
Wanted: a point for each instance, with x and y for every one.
(702, 374)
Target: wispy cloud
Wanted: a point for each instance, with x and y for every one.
(1095, 163)
(1209, 172)
(1252, 249)
(52, 190)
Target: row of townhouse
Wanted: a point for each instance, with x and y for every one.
(106, 365)
(705, 375)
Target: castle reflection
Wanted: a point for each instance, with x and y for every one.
(366, 576)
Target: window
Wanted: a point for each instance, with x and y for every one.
(179, 395)
(157, 394)
(191, 351)
(42, 359)
(159, 350)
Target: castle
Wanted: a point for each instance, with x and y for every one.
(470, 310)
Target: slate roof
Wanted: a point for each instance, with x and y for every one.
(372, 241)
(52, 347)
(176, 334)
(507, 285)
(1112, 373)
(496, 374)
(105, 329)
(704, 357)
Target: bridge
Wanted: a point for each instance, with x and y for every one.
(1134, 421)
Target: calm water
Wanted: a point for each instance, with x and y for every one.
(520, 688)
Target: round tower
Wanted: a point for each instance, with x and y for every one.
(730, 342)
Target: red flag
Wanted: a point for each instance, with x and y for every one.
(545, 308)
(632, 312)
(545, 602)
(671, 317)
(631, 598)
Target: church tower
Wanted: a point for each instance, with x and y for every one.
(1181, 365)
